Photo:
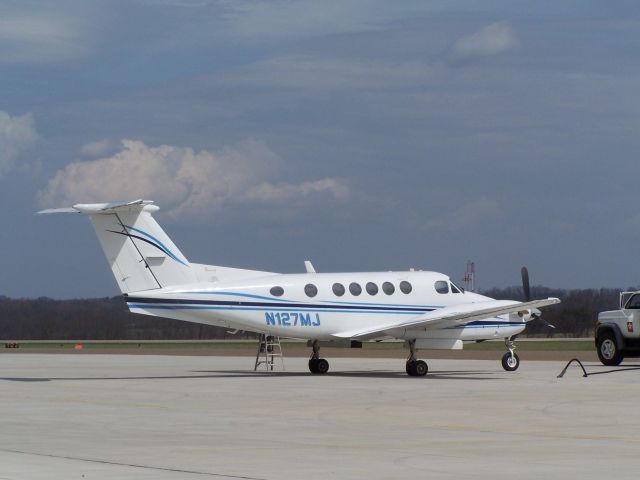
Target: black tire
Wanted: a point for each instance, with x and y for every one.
(313, 365)
(510, 363)
(409, 368)
(420, 368)
(322, 366)
(608, 351)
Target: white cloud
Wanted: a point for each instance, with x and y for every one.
(309, 72)
(467, 217)
(490, 40)
(16, 134)
(283, 18)
(185, 182)
(50, 32)
(281, 193)
(97, 148)
(39, 39)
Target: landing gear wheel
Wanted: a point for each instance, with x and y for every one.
(608, 351)
(313, 365)
(409, 367)
(510, 362)
(322, 366)
(318, 365)
(420, 368)
(417, 368)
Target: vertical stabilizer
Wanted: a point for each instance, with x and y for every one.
(141, 255)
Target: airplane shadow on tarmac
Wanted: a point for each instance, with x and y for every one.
(453, 375)
(400, 376)
(222, 374)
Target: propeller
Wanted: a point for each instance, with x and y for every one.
(526, 289)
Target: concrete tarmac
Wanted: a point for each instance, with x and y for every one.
(172, 417)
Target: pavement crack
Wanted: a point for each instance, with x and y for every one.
(131, 465)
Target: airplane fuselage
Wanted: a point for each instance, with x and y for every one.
(318, 305)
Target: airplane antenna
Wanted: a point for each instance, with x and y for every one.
(469, 278)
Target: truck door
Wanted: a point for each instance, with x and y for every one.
(632, 313)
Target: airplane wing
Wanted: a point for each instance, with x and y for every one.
(450, 317)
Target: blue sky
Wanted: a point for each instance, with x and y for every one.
(364, 135)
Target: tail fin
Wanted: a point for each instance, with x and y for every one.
(141, 255)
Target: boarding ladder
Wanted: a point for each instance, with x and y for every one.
(269, 349)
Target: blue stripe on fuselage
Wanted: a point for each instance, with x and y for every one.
(148, 306)
(274, 305)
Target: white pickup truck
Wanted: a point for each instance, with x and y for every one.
(618, 331)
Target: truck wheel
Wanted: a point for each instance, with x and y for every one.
(608, 351)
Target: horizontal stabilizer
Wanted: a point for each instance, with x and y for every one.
(58, 210)
(97, 208)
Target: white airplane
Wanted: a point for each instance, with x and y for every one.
(426, 309)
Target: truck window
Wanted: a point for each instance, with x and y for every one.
(634, 303)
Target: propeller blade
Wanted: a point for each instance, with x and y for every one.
(538, 317)
(526, 289)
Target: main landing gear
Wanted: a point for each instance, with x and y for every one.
(510, 360)
(317, 364)
(415, 367)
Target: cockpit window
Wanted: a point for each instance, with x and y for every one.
(441, 286)
(454, 289)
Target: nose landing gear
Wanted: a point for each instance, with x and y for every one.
(510, 360)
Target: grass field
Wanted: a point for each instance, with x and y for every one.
(291, 348)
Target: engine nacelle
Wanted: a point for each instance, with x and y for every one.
(522, 316)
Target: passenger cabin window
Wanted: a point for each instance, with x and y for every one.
(338, 289)
(372, 288)
(405, 287)
(634, 303)
(355, 289)
(277, 291)
(454, 289)
(388, 288)
(441, 286)
(311, 290)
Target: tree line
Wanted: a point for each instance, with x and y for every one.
(575, 316)
(94, 319)
(109, 318)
